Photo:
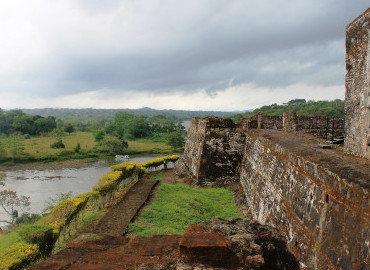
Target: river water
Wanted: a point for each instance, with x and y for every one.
(40, 185)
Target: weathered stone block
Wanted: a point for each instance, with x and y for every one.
(357, 102)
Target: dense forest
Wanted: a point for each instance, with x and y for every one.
(16, 121)
(85, 115)
(333, 108)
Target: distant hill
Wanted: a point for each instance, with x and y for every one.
(108, 114)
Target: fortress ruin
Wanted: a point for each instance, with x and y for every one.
(318, 198)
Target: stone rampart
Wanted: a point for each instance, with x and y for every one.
(325, 216)
(318, 198)
(213, 151)
(318, 126)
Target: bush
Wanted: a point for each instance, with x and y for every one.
(77, 148)
(65, 154)
(108, 182)
(27, 218)
(176, 140)
(48, 157)
(19, 256)
(111, 145)
(66, 210)
(58, 144)
(41, 235)
(154, 163)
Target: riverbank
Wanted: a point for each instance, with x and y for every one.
(52, 165)
(42, 181)
(36, 150)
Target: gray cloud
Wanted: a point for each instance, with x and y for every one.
(169, 46)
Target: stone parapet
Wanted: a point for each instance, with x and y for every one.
(322, 207)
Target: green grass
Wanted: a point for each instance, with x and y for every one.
(38, 148)
(9, 238)
(158, 176)
(147, 146)
(177, 206)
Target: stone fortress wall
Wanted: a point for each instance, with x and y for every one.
(357, 104)
(318, 198)
(318, 126)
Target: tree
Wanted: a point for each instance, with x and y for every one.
(27, 218)
(57, 133)
(176, 140)
(160, 123)
(99, 135)
(118, 126)
(111, 145)
(137, 128)
(9, 201)
(69, 128)
(45, 124)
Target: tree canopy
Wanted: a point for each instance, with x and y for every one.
(16, 121)
(333, 108)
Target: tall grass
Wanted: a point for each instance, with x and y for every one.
(38, 147)
(177, 206)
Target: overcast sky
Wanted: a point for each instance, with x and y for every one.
(167, 54)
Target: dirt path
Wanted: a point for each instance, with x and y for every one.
(119, 216)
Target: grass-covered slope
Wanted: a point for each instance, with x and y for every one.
(177, 206)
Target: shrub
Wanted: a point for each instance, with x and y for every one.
(41, 235)
(66, 210)
(111, 145)
(19, 256)
(48, 157)
(77, 148)
(58, 144)
(108, 182)
(160, 161)
(65, 154)
(27, 218)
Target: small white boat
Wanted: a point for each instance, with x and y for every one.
(122, 156)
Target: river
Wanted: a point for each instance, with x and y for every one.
(42, 184)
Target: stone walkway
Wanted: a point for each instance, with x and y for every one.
(119, 216)
(352, 168)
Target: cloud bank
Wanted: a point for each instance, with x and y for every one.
(216, 54)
